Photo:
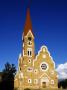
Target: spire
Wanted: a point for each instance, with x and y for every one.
(28, 24)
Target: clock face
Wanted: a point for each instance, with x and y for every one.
(44, 66)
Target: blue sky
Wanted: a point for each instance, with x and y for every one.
(49, 22)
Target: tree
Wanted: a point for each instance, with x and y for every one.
(62, 83)
(8, 76)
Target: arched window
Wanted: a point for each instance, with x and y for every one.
(29, 51)
(29, 81)
(29, 38)
(29, 41)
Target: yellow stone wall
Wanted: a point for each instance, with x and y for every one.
(37, 75)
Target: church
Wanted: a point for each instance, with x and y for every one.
(34, 71)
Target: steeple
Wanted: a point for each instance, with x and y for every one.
(28, 24)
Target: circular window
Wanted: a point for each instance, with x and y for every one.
(44, 66)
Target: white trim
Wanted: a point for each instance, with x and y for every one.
(45, 74)
(29, 49)
(20, 55)
(45, 79)
(25, 65)
(19, 61)
(48, 53)
(46, 68)
(23, 44)
(20, 75)
(23, 53)
(29, 81)
(29, 60)
(29, 69)
(30, 33)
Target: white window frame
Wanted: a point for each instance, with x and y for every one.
(29, 70)
(29, 81)
(29, 60)
(30, 50)
(41, 67)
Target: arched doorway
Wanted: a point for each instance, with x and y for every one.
(44, 82)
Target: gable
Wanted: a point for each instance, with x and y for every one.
(44, 56)
(29, 34)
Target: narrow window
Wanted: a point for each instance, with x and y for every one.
(29, 52)
(35, 81)
(29, 81)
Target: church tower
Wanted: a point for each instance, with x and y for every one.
(28, 38)
(28, 42)
(28, 47)
(28, 51)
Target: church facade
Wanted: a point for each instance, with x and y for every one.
(34, 71)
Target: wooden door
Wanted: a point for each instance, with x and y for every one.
(44, 84)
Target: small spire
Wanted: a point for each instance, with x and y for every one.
(28, 23)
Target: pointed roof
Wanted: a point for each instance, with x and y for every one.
(28, 24)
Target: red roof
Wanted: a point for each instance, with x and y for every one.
(28, 23)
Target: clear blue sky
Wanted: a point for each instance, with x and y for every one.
(49, 22)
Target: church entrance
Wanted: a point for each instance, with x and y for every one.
(43, 84)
